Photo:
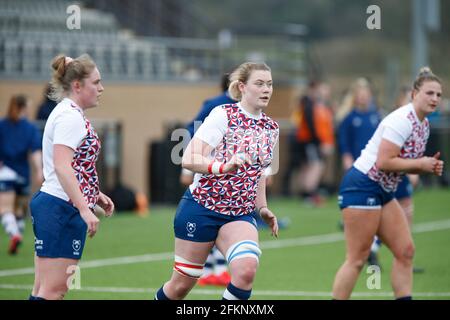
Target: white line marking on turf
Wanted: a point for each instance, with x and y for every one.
(275, 293)
(272, 244)
(431, 226)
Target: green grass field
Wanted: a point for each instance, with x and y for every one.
(130, 257)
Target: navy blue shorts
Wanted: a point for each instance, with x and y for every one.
(359, 192)
(58, 228)
(21, 189)
(7, 185)
(194, 222)
(404, 189)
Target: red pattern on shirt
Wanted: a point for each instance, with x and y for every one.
(235, 193)
(83, 163)
(413, 148)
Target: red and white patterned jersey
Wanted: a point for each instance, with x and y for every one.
(403, 128)
(83, 163)
(235, 193)
(68, 126)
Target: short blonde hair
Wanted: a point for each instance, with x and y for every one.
(242, 74)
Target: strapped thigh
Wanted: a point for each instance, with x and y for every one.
(243, 249)
(187, 268)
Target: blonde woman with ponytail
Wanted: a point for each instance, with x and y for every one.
(366, 195)
(229, 154)
(63, 209)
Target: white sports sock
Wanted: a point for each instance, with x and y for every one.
(21, 224)
(375, 245)
(10, 224)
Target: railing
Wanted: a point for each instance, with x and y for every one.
(30, 37)
(29, 56)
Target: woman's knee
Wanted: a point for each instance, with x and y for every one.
(359, 260)
(405, 252)
(357, 264)
(244, 273)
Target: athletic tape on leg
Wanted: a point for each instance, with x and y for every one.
(243, 249)
(187, 268)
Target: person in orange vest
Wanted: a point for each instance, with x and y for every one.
(315, 135)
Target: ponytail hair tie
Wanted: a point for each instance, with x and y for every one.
(68, 60)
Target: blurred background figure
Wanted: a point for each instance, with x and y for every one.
(325, 110)
(293, 155)
(20, 143)
(215, 269)
(359, 122)
(315, 136)
(47, 105)
(208, 105)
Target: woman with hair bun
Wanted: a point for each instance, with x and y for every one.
(63, 209)
(366, 195)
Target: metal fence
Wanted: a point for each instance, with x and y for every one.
(33, 32)
(151, 59)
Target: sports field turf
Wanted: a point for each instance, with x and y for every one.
(130, 257)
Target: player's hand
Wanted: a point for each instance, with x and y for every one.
(439, 166)
(237, 161)
(91, 220)
(432, 164)
(270, 219)
(106, 204)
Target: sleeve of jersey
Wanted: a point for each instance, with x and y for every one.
(213, 128)
(344, 136)
(70, 129)
(397, 130)
(201, 116)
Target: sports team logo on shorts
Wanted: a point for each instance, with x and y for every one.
(38, 244)
(76, 245)
(190, 226)
(371, 201)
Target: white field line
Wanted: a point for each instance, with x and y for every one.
(272, 244)
(217, 292)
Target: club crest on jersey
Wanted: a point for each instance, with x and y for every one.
(191, 227)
